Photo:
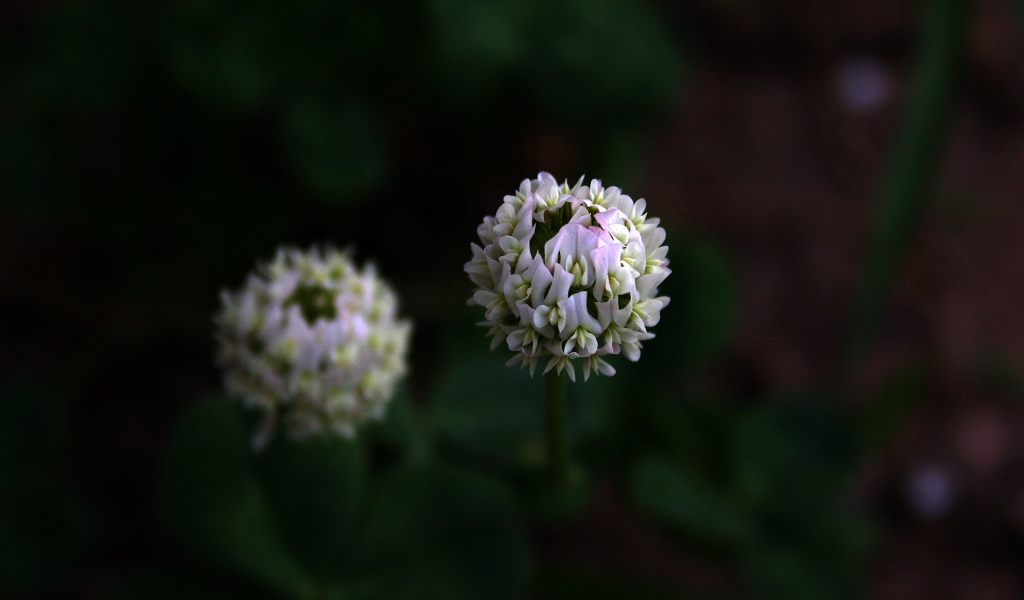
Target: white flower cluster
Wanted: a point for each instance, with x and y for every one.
(314, 343)
(569, 273)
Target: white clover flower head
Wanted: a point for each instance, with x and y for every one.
(314, 343)
(566, 273)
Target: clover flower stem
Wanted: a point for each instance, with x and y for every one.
(556, 429)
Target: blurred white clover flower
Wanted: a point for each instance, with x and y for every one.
(569, 273)
(314, 343)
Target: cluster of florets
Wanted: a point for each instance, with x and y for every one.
(569, 273)
(314, 343)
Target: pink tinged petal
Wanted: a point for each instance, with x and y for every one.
(526, 313)
(547, 317)
(581, 216)
(609, 218)
(606, 312)
(634, 255)
(483, 297)
(572, 240)
(525, 187)
(647, 285)
(583, 316)
(510, 243)
(485, 231)
(621, 315)
(653, 238)
(561, 282)
(659, 254)
(559, 320)
(515, 339)
(526, 225)
(647, 223)
(525, 258)
(606, 261)
(510, 289)
(495, 267)
(570, 312)
(497, 309)
(541, 279)
(540, 316)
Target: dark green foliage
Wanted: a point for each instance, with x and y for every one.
(584, 61)
(699, 322)
(782, 512)
(892, 405)
(336, 147)
(212, 503)
(316, 491)
(444, 533)
(88, 55)
(309, 520)
(494, 415)
(45, 530)
(692, 506)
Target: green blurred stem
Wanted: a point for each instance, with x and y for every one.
(555, 428)
(911, 174)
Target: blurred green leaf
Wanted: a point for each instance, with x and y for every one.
(224, 52)
(476, 46)
(88, 54)
(32, 171)
(337, 147)
(794, 462)
(495, 414)
(592, 60)
(398, 428)
(794, 458)
(696, 433)
(781, 574)
(805, 573)
(44, 529)
(891, 406)
(492, 412)
(699, 322)
(442, 533)
(315, 489)
(211, 500)
(689, 506)
(166, 584)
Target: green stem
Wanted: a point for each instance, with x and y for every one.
(911, 175)
(556, 429)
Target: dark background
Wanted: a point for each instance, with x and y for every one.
(841, 182)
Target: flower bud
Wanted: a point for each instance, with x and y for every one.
(567, 273)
